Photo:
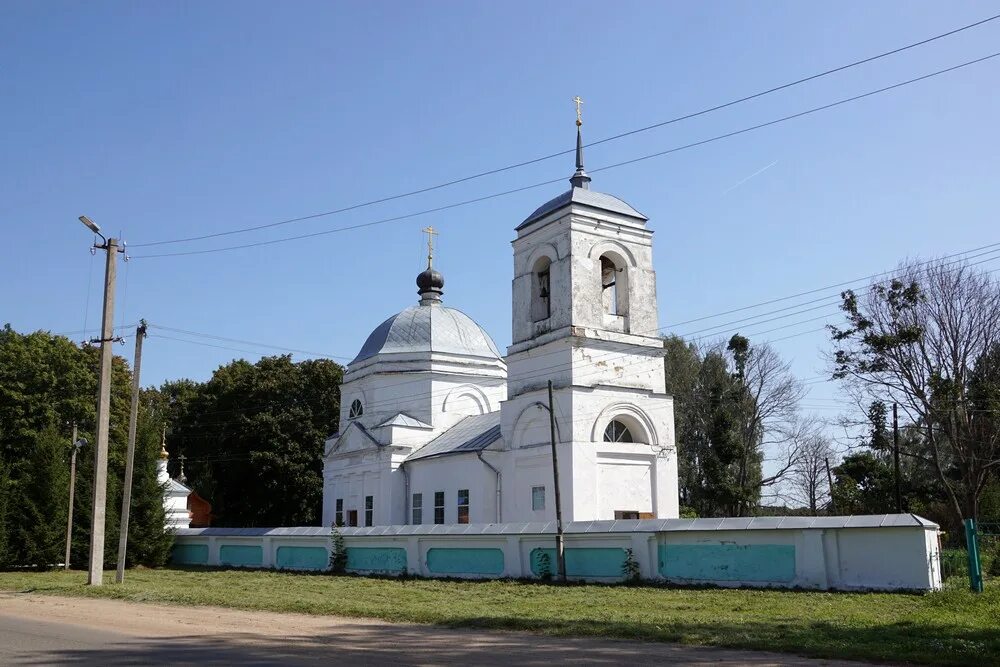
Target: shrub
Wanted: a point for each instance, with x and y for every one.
(630, 568)
(338, 552)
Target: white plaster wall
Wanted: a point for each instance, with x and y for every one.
(358, 474)
(175, 505)
(898, 558)
(884, 557)
(449, 474)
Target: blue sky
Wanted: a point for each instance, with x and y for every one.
(166, 120)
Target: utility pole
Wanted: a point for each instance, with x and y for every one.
(140, 333)
(895, 459)
(829, 480)
(560, 546)
(95, 572)
(77, 444)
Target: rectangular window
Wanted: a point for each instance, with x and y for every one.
(338, 517)
(369, 510)
(463, 506)
(537, 498)
(418, 509)
(352, 517)
(439, 507)
(625, 515)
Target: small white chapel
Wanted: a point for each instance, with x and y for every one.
(438, 427)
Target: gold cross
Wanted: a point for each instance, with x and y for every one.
(431, 233)
(579, 113)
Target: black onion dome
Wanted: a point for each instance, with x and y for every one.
(429, 280)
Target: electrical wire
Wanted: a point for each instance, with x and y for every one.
(617, 165)
(491, 172)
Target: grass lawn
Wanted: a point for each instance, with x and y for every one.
(953, 627)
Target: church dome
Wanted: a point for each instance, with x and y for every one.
(429, 328)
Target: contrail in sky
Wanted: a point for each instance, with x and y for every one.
(756, 173)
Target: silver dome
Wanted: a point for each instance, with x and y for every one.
(429, 328)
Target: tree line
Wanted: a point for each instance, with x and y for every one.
(926, 339)
(48, 384)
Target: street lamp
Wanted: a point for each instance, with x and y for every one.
(95, 570)
(77, 446)
(92, 226)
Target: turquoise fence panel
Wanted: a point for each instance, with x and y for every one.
(582, 561)
(728, 562)
(189, 554)
(302, 558)
(465, 561)
(372, 559)
(241, 555)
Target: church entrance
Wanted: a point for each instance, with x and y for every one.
(352, 517)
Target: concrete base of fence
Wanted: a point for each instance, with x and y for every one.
(885, 552)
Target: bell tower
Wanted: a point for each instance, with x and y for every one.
(585, 317)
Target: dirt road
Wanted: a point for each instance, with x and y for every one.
(43, 630)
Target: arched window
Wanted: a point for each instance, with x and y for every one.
(614, 285)
(541, 290)
(616, 431)
(356, 410)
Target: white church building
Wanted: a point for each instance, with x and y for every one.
(438, 427)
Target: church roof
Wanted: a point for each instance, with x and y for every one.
(585, 197)
(472, 434)
(429, 328)
(403, 419)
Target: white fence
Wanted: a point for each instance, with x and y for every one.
(886, 552)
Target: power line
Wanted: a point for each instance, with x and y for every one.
(556, 180)
(547, 370)
(245, 342)
(822, 289)
(491, 172)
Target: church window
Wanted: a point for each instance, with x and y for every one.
(463, 506)
(356, 410)
(418, 509)
(338, 517)
(617, 432)
(609, 285)
(439, 507)
(614, 286)
(541, 290)
(537, 498)
(369, 510)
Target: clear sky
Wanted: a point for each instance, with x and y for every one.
(167, 120)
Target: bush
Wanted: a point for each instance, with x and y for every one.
(630, 568)
(544, 566)
(338, 552)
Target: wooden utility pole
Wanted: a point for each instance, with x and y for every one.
(560, 546)
(72, 493)
(895, 459)
(95, 572)
(140, 333)
(829, 480)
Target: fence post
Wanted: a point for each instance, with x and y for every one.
(975, 568)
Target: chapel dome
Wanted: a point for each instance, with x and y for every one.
(429, 328)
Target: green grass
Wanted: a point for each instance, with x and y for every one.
(953, 627)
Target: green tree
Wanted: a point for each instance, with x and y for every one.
(253, 435)
(918, 340)
(47, 383)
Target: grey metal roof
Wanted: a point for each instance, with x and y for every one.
(472, 434)
(584, 527)
(403, 419)
(429, 328)
(585, 197)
